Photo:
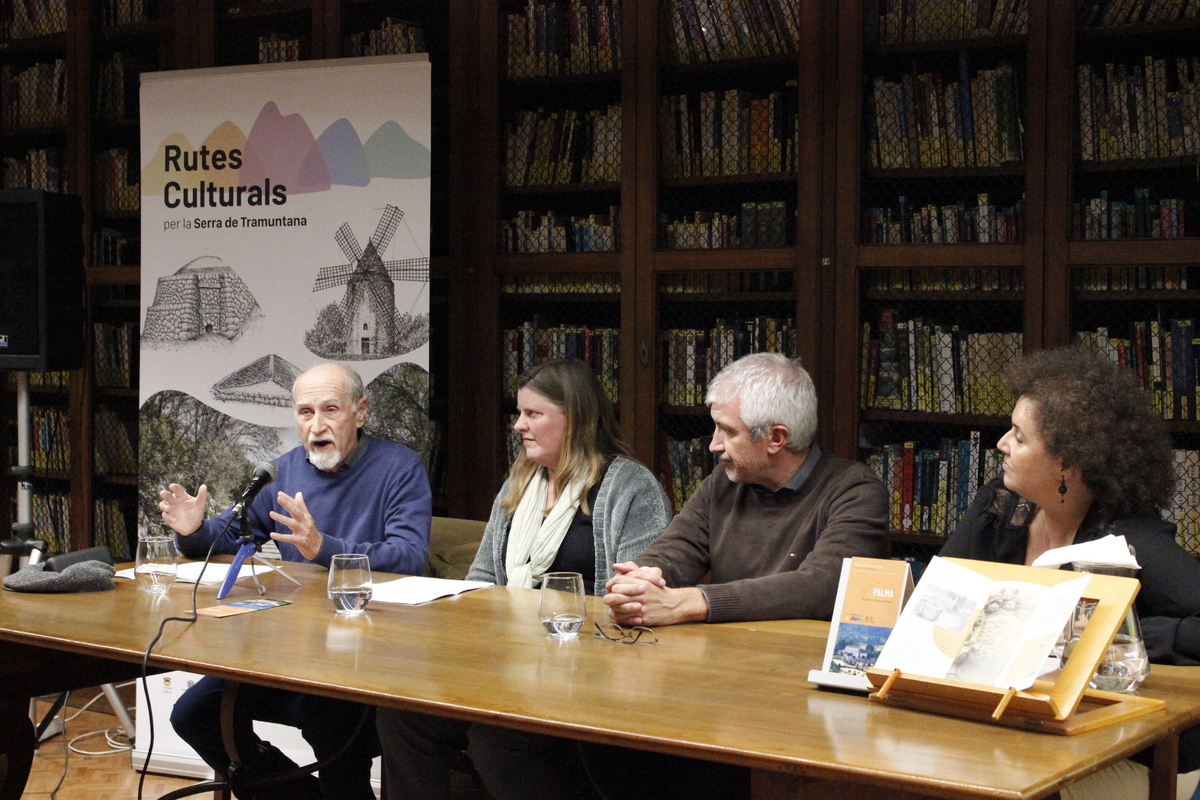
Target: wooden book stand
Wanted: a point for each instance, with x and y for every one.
(1064, 706)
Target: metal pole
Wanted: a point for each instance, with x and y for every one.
(24, 485)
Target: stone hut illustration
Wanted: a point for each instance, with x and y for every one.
(266, 382)
(205, 297)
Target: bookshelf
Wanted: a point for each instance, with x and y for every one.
(705, 137)
(556, 179)
(941, 153)
(1122, 238)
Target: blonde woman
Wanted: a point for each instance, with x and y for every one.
(575, 501)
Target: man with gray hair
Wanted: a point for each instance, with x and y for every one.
(339, 491)
(771, 524)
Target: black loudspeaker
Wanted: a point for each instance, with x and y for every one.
(41, 281)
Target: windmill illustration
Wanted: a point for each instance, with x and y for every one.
(369, 305)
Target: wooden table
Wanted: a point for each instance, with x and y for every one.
(735, 693)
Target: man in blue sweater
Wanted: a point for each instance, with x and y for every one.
(339, 492)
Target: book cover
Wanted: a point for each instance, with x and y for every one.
(871, 594)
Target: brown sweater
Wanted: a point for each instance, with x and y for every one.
(774, 555)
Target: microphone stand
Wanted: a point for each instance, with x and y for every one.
(249, 549)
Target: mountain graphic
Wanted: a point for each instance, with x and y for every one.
(392, 153)
(340, 152)
(276, 149)
(282, 147)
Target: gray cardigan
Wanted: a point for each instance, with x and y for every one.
(630, 511)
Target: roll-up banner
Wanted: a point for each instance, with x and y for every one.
(285, 222)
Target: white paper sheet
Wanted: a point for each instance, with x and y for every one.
(1109, 550)
(215, 573)
(415, 590)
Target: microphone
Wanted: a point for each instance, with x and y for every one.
(264, 473)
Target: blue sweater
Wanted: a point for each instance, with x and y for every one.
(380, 506)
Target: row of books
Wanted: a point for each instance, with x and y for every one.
(114, 348)
(116, 188)
(740, 282)
(734, 132)
(684, 464)
(715, 30)
(50, 438)
(114, 248)
(921, 365)
(1185, 505)
(35, 98)
(118, 82)
(981, 221)
(126, 12)
(111, 530)
(1132, 278)
(112, 445)
(25, 19)
(56, 379)
(1132, 111)
(931, 488)
(534, 343)
(1108, 13)
(933, 120)
(762, 224)
(976, 279)
(1162, 355)
(278, 48)
(599, 283)
(553, 232)
(51, 517)
(544, 147)
(1099, 218)
(897, 21)
(41, 168)
(691, 357)
(577, 37)
(392, 37)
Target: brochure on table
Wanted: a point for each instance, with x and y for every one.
(962, 626)
(871, 593)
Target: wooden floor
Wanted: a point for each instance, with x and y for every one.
(99, 777)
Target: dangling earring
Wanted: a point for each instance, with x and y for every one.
(1062, 489)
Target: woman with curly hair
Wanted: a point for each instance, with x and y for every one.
(1087, 456)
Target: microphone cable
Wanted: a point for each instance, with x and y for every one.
(150, 647)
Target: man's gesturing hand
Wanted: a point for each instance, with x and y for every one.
(180, 510)
(304, 533)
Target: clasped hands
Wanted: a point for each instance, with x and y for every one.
(184, 513)
(640, 596)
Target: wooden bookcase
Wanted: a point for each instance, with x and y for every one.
(1121, 262)
(940, 242)
(818, 284)
(668, 281)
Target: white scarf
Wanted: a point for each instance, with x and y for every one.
(534, 538)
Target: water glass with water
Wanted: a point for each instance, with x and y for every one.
(1125, 664)
(350, 582)
(156, 563)
(561, 606)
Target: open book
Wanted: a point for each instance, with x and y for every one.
(961, 625)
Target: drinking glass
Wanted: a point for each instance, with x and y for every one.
(561, 606)
(350, 582)
(1125, 664)
(156, 563)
